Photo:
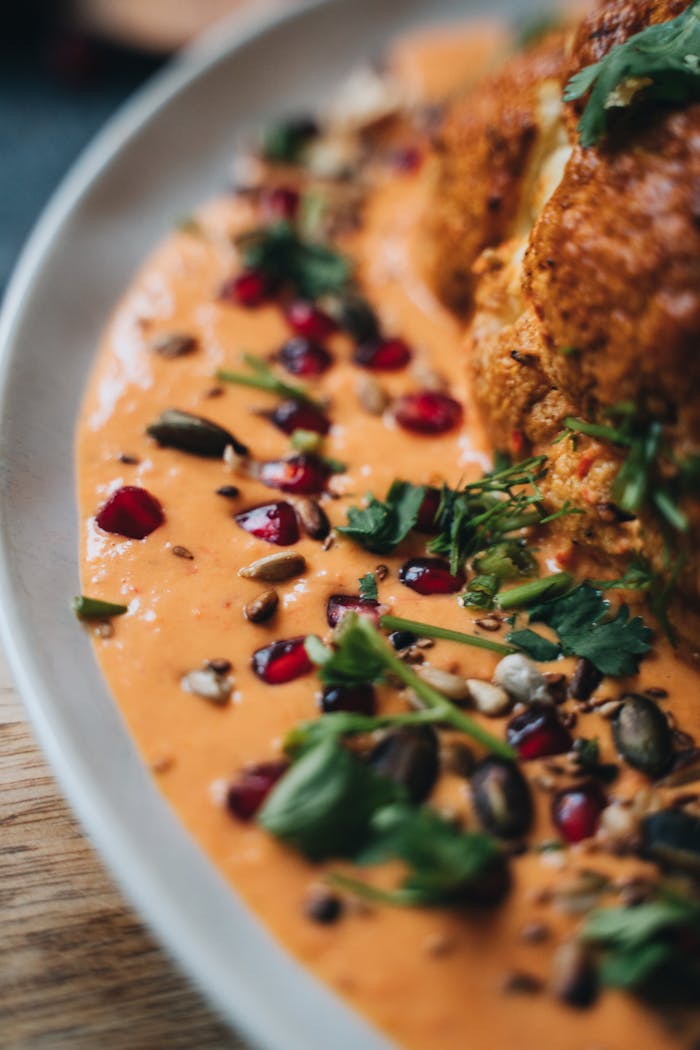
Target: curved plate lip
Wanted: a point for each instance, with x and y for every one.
(137, 875)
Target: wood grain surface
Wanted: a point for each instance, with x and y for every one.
(78, 969)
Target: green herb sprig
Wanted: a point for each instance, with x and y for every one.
(287, 259)
(261, 377)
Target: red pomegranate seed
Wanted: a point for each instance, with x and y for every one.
(307, 320)
(408, 159)
(303, 474)
(358, 699)
(430, 576)
(247, 793)
(340, 604)
(538, 732)
(385, 355)
(282, 661)
(576, 811)
(427, 511)
(294, 415)
(304, 357)
(249, 289)
(275, 522)
(131, 512)
(280, 202)
(427, 412)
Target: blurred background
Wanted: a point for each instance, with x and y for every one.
(64, 68)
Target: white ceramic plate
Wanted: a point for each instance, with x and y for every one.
(166, 151)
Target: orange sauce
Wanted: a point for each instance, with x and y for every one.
(429, 979)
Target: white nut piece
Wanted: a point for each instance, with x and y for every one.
(208, 684)
(450, 685)
(521, 680)
(489, 699)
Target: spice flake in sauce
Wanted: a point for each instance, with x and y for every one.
(221, 533)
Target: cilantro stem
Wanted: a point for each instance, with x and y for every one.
(596, 430)
(670, 511)
(537, 590)
(262, 378)
(427, 630)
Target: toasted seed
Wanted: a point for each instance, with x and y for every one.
(557, 685)
(457, 758)
(381, 571)
(128, 459)
(685, 769)
(173, 344)
(193, 434)
(371, 395)
(521, 679)
(275, 567)
(519, 982)
(489, 623)
(642, 735)
(205, 682)
(262, 608)
(585, 680)
(182, 552)
(489, 699)
(219, 665)
(574, 979)
(450, 685)
(408, 756)
(313, 518)
(322, 906)
(502, 798)
(228, 491)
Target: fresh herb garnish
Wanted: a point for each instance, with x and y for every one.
(429, 630)
(506, 560)
(585, 627)
(534, 645)
(538, 591)
(642, 945)
(381, 526)
(309, 268)
(284, 142)
(361, 655)
(261, 377)
(660, 64)
(588, 760)
(95, 609)
(481, 591)
(368, 587)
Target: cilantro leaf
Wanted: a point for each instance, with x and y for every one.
(534, 645)
(368, 587)
(310, 268)
(662, 62)
(381, 526)
(582, 621)
(481, 591)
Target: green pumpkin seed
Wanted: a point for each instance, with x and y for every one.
(502, 798)
(672, 838)
(193, 434)
(642, 735)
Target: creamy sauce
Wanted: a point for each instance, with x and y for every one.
(427, 978)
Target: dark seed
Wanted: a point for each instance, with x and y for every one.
(685, 768)
(219, 665)
(193, 434)
(262, 608)
(183, 552)
(323, 907)
(228, 491)
(130, 461)
(672, 837)
(173, 344)
(521, 983)
(402, 639)
(585, 680)
(556, 686)
(358, 699)
(502, 798)
(313, 518)
(409, 756)
(574, 977)
(358, 319)
(642, 735)
(457, 758)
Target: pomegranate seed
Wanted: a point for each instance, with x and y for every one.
(303, 474)
(427, 511)
(576, 811)
(430, 576)
(274, 522)
(280, 202)
(538, 732)
(294, 415)
(131, 512)
(247, 794)
(339, 605)
(303, 357)
(427, 412)
(249, 289)
(408, 159)
(358, 699)
(282, 661)
(386, 355)
(307, 320)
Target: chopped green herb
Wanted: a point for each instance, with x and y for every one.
(306, 440)
(660, 64)
(537, 591)
(381, 526)
(311, 269)
(588, 760)
(283, 143)
(428, 630)
(261, 377)
(481, 591)
(336, 466)
(506, 560)
(534, 645)
(95, 609)
(368, 587)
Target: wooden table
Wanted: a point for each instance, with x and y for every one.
(78, 968)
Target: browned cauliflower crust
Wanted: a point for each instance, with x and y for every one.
(582, 287)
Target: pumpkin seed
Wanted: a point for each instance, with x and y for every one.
(502, 798)
(408, 756)
(193, 434)
(275, 567)
(262, 608)
(642, 735)
(574, 978)
(372, 396)
(672, 838)
(313, 518)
